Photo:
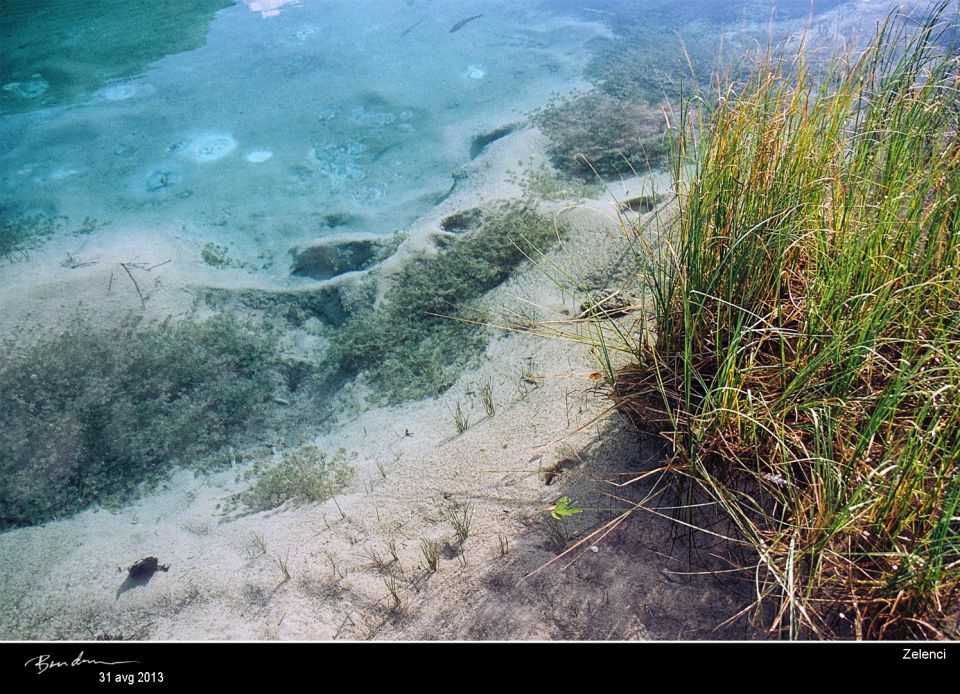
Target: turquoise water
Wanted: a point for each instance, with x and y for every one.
(272, 123)
(287, 123)
(152, 151)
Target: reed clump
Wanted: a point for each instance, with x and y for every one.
(805, 361)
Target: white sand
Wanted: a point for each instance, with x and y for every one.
(258, 156)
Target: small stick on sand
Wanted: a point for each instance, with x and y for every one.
(143, 302)
(342, 625)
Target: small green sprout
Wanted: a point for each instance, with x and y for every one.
(563, 508)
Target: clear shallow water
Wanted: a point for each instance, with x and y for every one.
(246, 130)
(289, 122)
(271, 123)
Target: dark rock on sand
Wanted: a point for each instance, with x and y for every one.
(328, 258)
(462, 221)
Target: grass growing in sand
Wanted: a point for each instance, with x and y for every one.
(460, 518)
(486, 397)
(431, 553)
(461, 421)
(806, 357)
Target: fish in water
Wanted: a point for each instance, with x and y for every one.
(459, 25)
(411, 28)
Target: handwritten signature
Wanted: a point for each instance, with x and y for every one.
(43, 662)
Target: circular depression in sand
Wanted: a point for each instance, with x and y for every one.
(210, 147)
(122, 91)
(30, 89)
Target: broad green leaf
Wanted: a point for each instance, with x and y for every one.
(564, 507)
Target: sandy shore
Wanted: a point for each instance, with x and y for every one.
(550, 436)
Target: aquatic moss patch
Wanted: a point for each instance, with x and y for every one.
(216, 255)
(304, 474)
(617, 128)
(480, 142)
(597, 134)
(658, 44)
(462, 221)
(416, 342)
(23, 231)
(329, 257)
(634, 69)
(219, 257)
(90, 414)
(325, 303)
(544, 183)
(20, 233)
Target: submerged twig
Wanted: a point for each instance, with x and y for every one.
(143, 302)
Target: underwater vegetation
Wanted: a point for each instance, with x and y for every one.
(340, 254)
(596, 134)
(631, 69)
(21, 232)
(416, 341)
(617, 129)
(88, 415)
(481, 141)
(304, 474)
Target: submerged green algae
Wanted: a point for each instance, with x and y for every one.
(596, 135)
(89, 415)
(430, 323)
(429, 326)
(303, 475)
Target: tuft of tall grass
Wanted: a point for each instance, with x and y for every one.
(805, 362)
(460, 419)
